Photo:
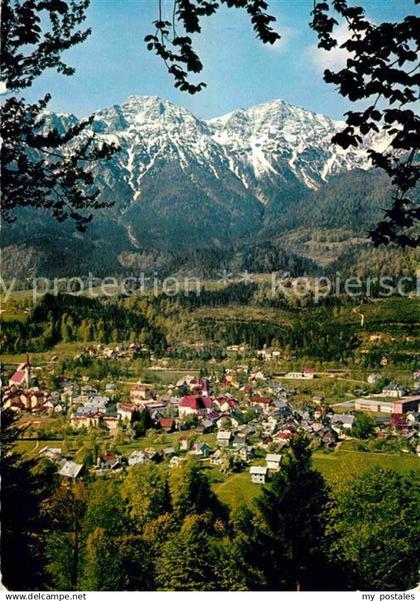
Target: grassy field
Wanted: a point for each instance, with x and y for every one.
(346, 463)
(63, 350)
(236, 489)
(336, 467)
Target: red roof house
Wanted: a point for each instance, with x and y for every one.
(194, 404)
(261, 400)
(18, 378)
(167, 424)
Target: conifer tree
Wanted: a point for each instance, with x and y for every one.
(282, 545)
(24, 489)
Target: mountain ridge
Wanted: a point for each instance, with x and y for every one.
(179, 182)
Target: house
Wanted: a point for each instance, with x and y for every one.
(33, 399)
(281, 408)
(226, 403)
(285, 434)
(49, 406)
(70, 469)
(53, 453)
(65, 382)
(187, 381)
(280, 442)
(262, 402)
(397, 421)
(167, 424)
(267, 354)
(224, 421)
(154, 406)
(96, 403)
(224, 438)
(175, 460)
(374, 378)
(237, 419)
(217, 457)
(205, 426)
(329, 437)
(137, 458)
(201, 450)
(393, 390)
(317, 427)
(151, 454)
(342, 422)
(110, 461)
(300, 375)
(88, 391)
(236, 348)
(86, 420)
(111, 423)
(238, 441)
(194, 405)
(183, 443)
(273, 461)
(125, 411)
(257, 376)
(277, 388)
(244, 452)
(11, 399)
(412, 417)
(168, 452)
(140, 393)
(258, 474)
(205, 386)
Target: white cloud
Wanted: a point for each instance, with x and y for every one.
(287, 34)
(330, 59)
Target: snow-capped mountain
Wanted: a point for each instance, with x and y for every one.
(277, 140)
(273, 143)
(180, 182)
(178, 177)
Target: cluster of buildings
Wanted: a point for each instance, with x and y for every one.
(251, 417)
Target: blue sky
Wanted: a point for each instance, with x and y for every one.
(240, 71)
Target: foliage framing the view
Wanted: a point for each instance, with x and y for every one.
(43, 167)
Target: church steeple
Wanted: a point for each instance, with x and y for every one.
(28, 372)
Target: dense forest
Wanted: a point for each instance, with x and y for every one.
(239, 313)
(70, 318)
(51, 255)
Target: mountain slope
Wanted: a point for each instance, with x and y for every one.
(282, 145)
(179, 183)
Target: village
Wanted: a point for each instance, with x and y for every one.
(239, 421)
